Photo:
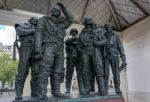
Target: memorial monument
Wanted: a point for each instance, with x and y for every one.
(91, 52)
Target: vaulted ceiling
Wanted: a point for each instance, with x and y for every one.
(121, 13)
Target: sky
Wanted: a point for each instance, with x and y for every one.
(7, 34)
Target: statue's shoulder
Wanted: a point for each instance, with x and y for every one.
(81, 33)
(43, 18)
(19, 24)
(100, 29)
(115, 34)
(23, 25)
(84, 30)
(67, 42)
(100, 32)
(68, 39)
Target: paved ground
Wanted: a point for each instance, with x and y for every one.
(6, 99)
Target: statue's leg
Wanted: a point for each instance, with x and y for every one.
(51, 82)
(55, 77)
(45, 69)
(34, 78)
(80, 77)
(92, 81)
(69, 74)
(86, 74)
(23, 70)
(99, 72)
(44, 72)
(57, 71)
(116, 73)
(106, 74)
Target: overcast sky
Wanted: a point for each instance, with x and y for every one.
(7, 35)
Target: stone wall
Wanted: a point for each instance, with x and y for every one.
(136, 41)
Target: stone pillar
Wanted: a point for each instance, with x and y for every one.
(124, 85)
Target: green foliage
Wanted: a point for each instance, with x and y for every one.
(8, 67)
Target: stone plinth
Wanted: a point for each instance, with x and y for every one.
(77, 98)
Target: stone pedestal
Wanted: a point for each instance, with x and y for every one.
(77, 98)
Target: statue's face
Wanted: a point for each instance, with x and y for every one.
(88, 21)
(73, 34)
(56, 12)
(108, 28)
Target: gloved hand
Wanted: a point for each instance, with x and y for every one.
(38, 53)
(61, 5)
(124, 63)
(123, 67)
(95, 43)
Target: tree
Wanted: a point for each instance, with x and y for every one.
(8, 68)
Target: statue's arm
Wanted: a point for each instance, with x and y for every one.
(81, 42)
(78, 40)
(38, 35)
(69, 40)
(103, 40)
(120, 47)
(121, 51)
(69, 16)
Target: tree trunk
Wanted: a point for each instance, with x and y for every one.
(3, 84)
(11, 84)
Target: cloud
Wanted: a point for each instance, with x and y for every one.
(7, 35)
(2, 27)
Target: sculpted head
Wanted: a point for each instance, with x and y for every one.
(108, 27)
(73, 32)
(88, 21)
(56, 11)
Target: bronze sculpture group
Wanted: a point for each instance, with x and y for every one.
(91, 52)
